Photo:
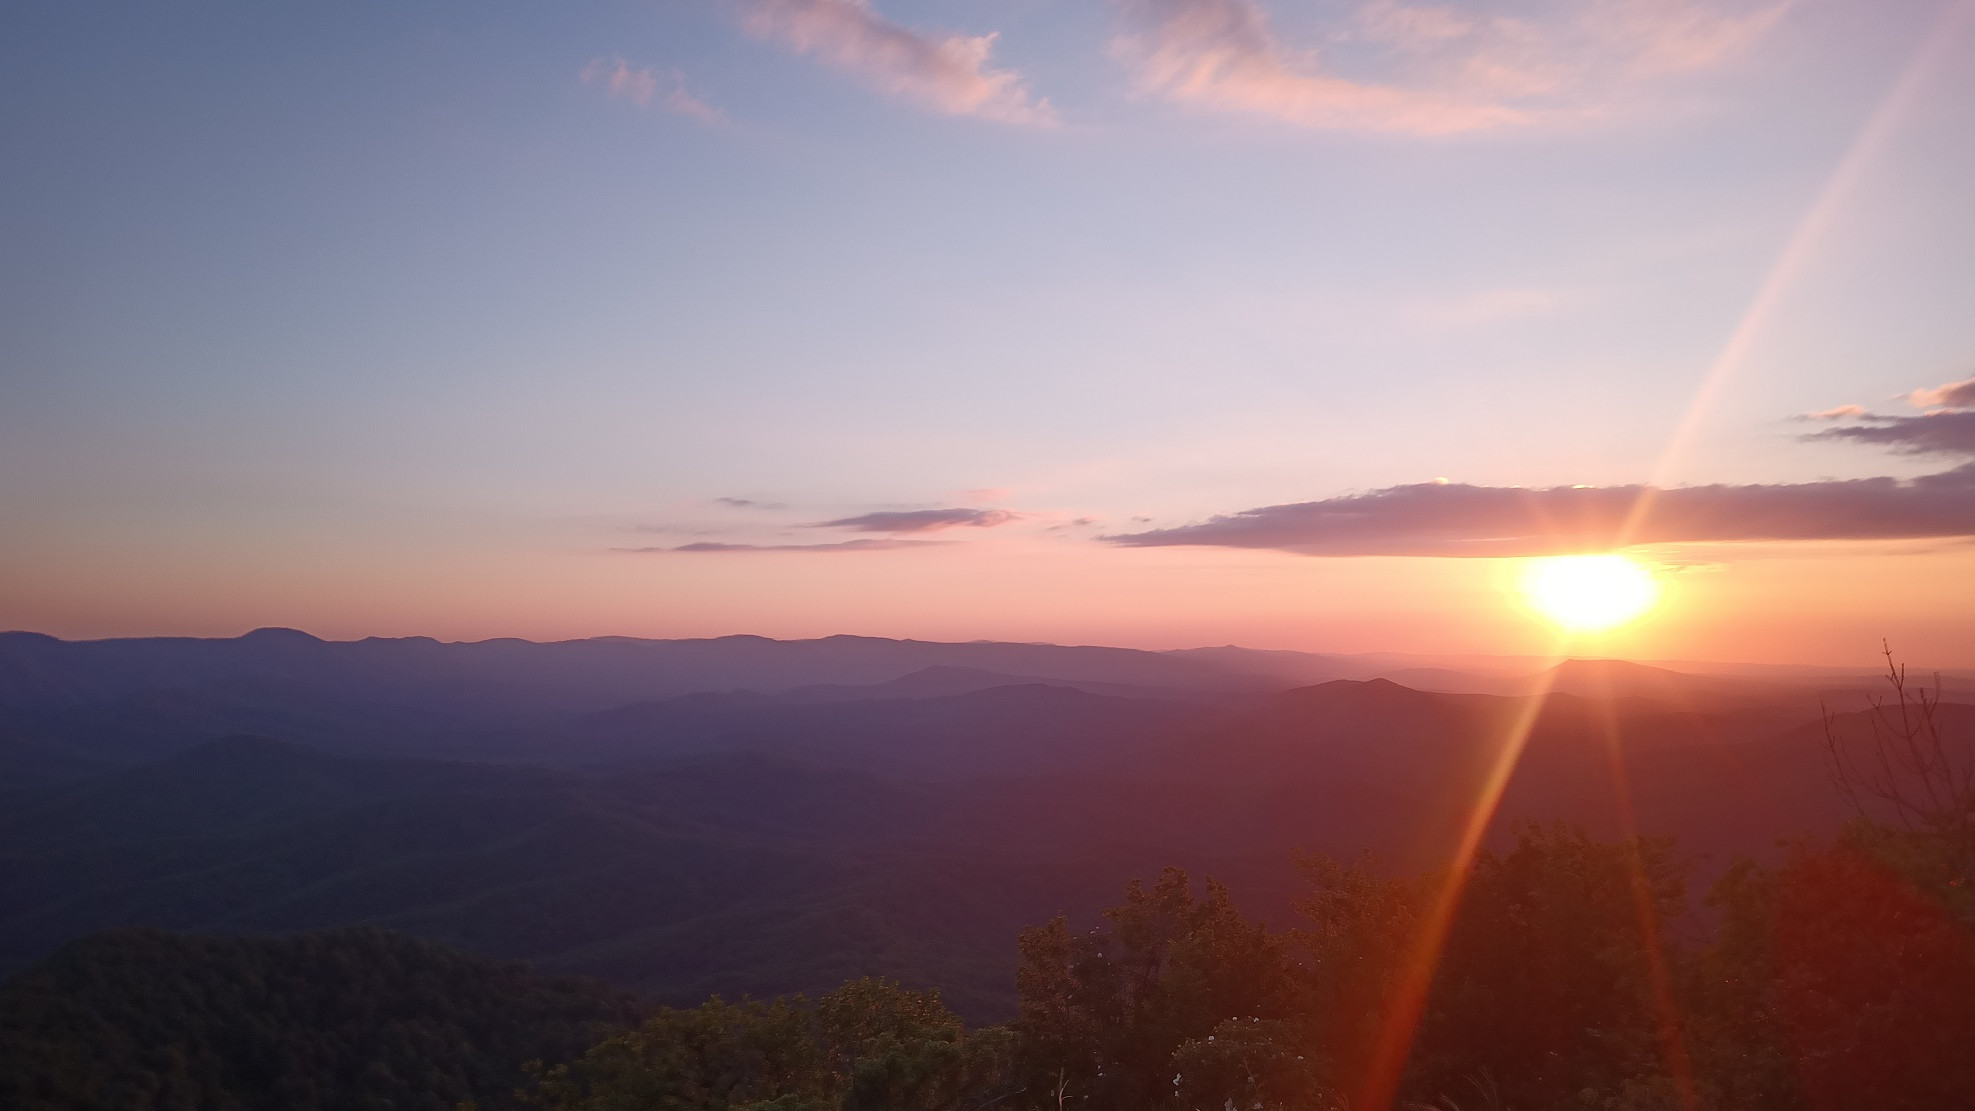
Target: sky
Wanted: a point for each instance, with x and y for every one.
(1144, 322)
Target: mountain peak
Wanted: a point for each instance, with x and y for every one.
(271, 634)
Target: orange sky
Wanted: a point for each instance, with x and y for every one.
(1033, 322)
(1798, 603)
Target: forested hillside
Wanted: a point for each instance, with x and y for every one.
(1573, 978)
(326, 1021)
(742, 843)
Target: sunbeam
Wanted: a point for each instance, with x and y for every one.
(1673, 1043)
(1400, 1022)
(1935, 46)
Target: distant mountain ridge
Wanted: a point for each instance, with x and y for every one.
(576, 674)
(738, 842)
(941, 680)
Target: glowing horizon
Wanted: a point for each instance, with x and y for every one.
(1111, 326)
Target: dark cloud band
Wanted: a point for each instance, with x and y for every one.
(1949, 432)
(707, 546)
(1463, 520)
(921, 520)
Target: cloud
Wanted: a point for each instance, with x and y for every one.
(1562, 50)
(921, 520)
(639, 86)
(948, 74)
(1456, 519)
(1222, 55)
(839, 546)
(1943, 432)
(679, 102)
(1949, 395)
(645, 87)
(1949, 429)
(748, 503)
(1439, 70)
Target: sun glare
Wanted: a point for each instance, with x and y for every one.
(1589, 593)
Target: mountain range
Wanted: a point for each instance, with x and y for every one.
(750, 816)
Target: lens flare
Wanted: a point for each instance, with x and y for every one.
(1589, 593)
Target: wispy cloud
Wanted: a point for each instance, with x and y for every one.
(1947, 429)
(921, 520)
(748, 503)
(714, 547)
(1223, 55)
(1944, 432)
(947, 73)
(1948, 395)
(647, 87)
(1430, 69)
(1564, 47)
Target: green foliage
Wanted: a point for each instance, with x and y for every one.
(1843, 978)
(868, 1046)
(1257, 1065)
(1357, 928)
(341, 1019)
(1547, 993)
(1104, 1013)
(1548, 981)
(751, 1054)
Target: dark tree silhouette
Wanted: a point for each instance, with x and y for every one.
(1907, 763)
(356, 1018)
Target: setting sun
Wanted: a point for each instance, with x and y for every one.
(1589, 593)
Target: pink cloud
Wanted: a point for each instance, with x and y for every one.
(1222, 54)
(646, 87)
(1680, 37)
(1841, 412)
(639, 86)
(1438, 69)
(1948, 395)
(946, 73)
(679, 102)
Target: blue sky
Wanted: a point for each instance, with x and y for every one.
(393, 300)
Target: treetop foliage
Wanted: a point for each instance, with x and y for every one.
(335, 1020)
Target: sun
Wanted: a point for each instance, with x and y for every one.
(1589, 593)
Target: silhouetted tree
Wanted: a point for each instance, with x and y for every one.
(1104, 1012)
(1358, 927)
(868, 1046)
(354, 1018)
(1923, 778)
(1549, 982)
